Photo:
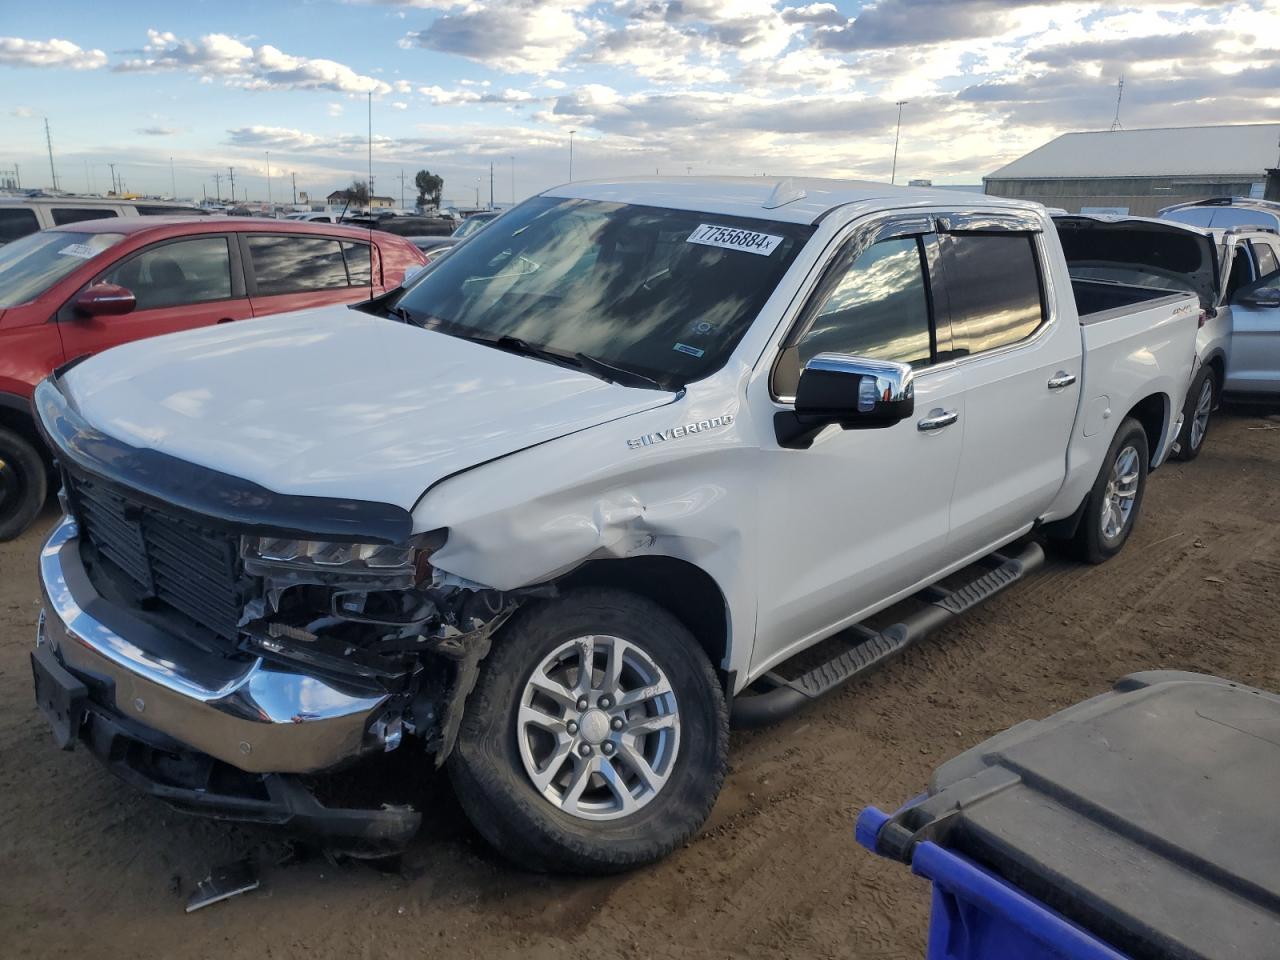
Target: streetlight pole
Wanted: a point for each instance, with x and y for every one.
(571, 133)
(231, 173)
(268, 180)
(113, 179)
(173, 180)
(893, 176)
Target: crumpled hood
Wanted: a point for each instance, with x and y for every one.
(334, 402)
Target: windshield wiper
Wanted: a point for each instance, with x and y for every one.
(621, 375)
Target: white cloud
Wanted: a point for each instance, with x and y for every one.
(516, 36)
(333, 109)
(262, 68)
(469, 94)
(16, 52)
(23, 112)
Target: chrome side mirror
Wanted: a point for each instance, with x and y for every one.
(857, 393)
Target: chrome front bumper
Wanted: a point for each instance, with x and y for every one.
(246, 712)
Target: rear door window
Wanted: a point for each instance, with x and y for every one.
(173, 274)
(63, 215)
(358, 263)
(993, 288)
(292, 264)
(17, 222)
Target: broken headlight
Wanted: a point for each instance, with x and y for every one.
(321, 554)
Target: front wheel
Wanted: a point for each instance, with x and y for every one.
(23, 484)
(596, 738)
(1195, 415)
(1112, 508)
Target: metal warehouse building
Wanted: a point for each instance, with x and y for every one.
(1140, 171)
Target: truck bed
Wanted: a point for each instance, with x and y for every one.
(1098, 300)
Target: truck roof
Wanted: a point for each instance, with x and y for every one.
(788, 199)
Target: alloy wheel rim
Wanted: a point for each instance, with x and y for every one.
(1200, 419)
(598, 728)
(1121, 492)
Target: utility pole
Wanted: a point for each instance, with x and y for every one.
(173, 180)
(402, 188)
(231, 172)
(1115, 124)
(490, 184)
(204, 192)
(893, 176)
(49, 140)
(294, 177)
(114, 191)
(217, 185)
(571, 133)
(268, 179)
(88, 178)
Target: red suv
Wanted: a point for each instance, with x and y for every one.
(84, 287)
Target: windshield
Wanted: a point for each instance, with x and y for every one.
(663, 293)
(30, 266)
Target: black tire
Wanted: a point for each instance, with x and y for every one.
(490, 778)
(24, 483)
(1090, 544)
(1205, 378)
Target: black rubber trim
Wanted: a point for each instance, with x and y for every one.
(211, 497)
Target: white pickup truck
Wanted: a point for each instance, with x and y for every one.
(579, 495)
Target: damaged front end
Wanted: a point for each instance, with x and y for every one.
(376, 614)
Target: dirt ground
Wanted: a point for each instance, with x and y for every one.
(89, 868)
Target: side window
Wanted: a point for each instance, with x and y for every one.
(17, 222)
(878, 308)
(145, 210)
(1267, 263)
(293, 264)
(993, 288)
(1241, 269)
(63, 215)
(358, 263)
(173, 274)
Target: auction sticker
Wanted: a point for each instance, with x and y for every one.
(81, 250)
(732, 238)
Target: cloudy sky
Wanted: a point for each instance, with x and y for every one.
(676, 86)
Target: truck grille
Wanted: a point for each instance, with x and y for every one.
(192, 570)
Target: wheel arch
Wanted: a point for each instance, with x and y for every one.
(1153, 413)
(16, 415)
(680, 587)
(1217, 360)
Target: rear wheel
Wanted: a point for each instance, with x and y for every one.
(24, 483)
(596, 738)
(1112, 508)
(1201, 399)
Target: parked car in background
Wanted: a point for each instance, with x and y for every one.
(1238, 344)
(433, 247)
(406, 226)
(73, 291)
(20, 216)
(472, 224)
(555, 511)
(1225, 212)
(310, 217)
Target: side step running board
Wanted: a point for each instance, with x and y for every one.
(761, 709)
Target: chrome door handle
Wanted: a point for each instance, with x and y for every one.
(1062, 379)
(938, 419)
